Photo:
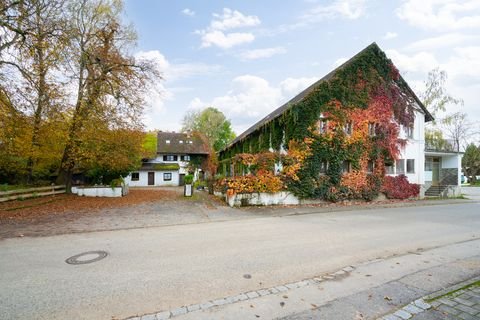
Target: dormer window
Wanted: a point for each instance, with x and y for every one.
(167, 141)
(170, 158)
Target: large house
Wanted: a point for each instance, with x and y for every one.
(363, 118)
(178, 154)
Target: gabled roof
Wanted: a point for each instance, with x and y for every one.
(279, 111)
(181, 143)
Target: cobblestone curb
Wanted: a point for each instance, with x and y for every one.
(250, 295)
(454, 306)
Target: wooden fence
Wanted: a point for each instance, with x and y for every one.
(31, 193)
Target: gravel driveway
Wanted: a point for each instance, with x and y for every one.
(202, 207)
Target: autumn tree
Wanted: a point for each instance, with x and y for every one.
(437, 101)
(110, 83)
(213, 124)
(13, 14)
(30, 57)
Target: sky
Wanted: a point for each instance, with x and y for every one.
(246, 58)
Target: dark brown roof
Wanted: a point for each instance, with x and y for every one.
(181, 143)
(279, 111)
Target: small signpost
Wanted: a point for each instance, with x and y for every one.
(188, 187)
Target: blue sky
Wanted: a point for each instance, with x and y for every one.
(248, 57)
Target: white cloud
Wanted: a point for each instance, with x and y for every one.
(292, 86)
(233, 19)
(196, 104)
(465, 65)
(444, 40)
(225, 40)
(262, 53)
(156, 110)
(252, 98)
(216, 33)
(348, 9)
(188, 12)
(340, 61)
(441, 14)
(418, 62)
(390, 35)
(174, 71)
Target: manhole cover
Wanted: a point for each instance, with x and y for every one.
(247, 276)
(87, 257)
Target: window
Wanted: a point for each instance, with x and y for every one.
(409, 132)
(186, 158)
(400, 166)
(348, 128)
(167, 141)
(372, 129)
(190, 141)
(323, 125)
(135, 176)
(180, 141)
(170, 158)
(410, 165)
(323, 167)
(346, 166)
(370, 166)
(389, 169)
(167, 176)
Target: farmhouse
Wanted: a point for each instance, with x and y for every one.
(354, 133)
(178, 154)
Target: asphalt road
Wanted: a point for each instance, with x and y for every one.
(154, 269)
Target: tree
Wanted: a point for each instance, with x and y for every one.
(436, 99)
(110, 83)
(213, 124)
(149, 145)
(471, 162)
(30, 64)
(457, 128)
(12, 29)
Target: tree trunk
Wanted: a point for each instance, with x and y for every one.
(41, 87)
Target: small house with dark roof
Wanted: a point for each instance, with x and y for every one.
(344, 106)
(176, 152)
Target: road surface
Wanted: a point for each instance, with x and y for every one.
(153, 269)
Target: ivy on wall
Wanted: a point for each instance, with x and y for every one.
(349, 122)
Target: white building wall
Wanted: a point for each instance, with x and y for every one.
(159, 180)
(415, 149)
(142, 181)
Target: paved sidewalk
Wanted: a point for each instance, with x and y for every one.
(463, 303)
(459, 302)
(359, 292)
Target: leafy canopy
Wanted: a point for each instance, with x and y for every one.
(213, 124)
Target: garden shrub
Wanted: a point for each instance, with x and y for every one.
(399, 188)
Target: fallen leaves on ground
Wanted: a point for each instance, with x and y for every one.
(32, 209)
